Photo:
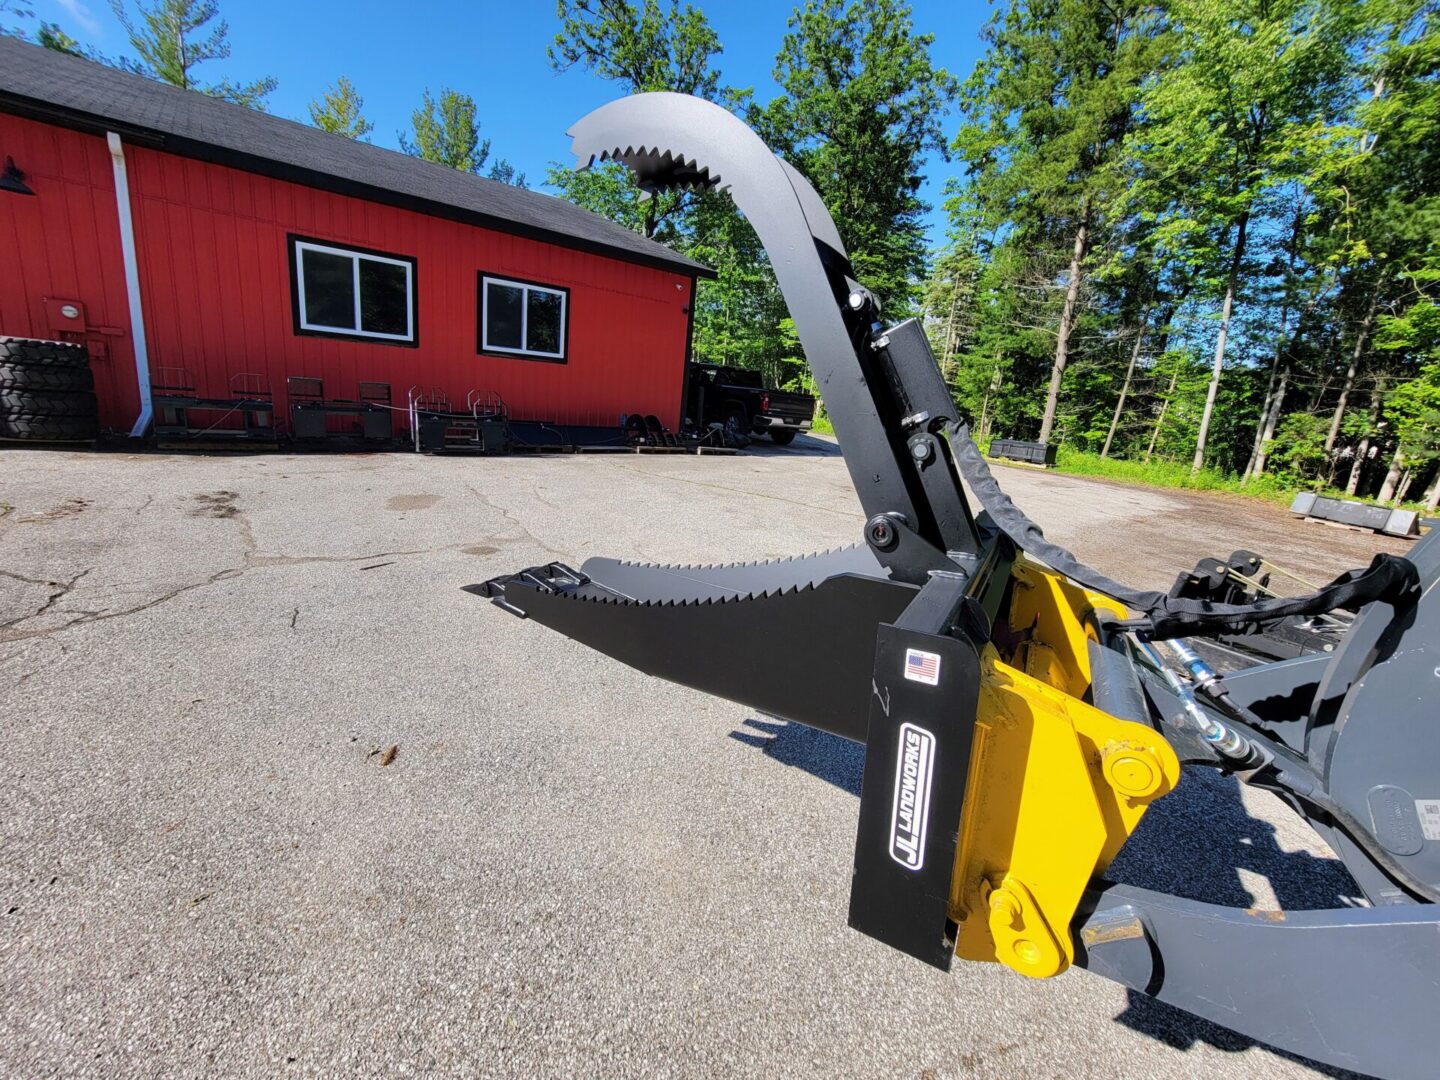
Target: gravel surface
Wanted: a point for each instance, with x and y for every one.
(281, 799)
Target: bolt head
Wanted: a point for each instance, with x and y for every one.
(1027, 951)
(882, 532)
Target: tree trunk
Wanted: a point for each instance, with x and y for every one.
(1272, 421)
(1160, 420)
(1125, 387)
(1282, 359)
(1432, 499)
(1067, 322)
(1392, 478)
(1266, 434)
(1362, 335)
(1404, 488)
(1357, 467)
(952, 334)
(1214, 389)
(1256, 457)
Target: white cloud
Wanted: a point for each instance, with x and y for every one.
(81, 14)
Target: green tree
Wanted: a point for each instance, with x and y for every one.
(447, 132)
(172, 39)
(1046, 113)
(47, 34)
(861, 104)
(57, 40)
(1250, 103)
(644, 49)
(649, 47)
(339, 111)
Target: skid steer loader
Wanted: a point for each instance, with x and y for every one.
(1019, 710)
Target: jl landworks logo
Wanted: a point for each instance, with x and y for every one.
(911, 813)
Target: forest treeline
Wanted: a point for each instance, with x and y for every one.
(1191, 231)
(1199, 231)
(1203, 230)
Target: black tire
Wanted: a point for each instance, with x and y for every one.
(31, 377)
(48, 428)
(783, 436)
(36, 353)
(737, 427)
(48, 402)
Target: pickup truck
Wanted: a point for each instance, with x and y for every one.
(738, 399)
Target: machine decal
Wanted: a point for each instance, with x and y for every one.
(922, 667)
(1429, 811)
(911, 812)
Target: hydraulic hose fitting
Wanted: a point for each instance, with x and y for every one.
(1201, 673)
(1211, 684)
(1225, 740)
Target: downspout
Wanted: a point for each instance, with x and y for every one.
(132, 284)
(689, 357)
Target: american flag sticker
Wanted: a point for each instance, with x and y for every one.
(922, 667)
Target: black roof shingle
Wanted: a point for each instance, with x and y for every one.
(43, 84)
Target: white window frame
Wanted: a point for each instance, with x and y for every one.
(526, 288)
(302, 246)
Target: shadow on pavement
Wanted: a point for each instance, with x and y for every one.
(830, 758)
(1193, 843)
(803, 446)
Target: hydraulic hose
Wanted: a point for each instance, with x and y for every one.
(1246, 750)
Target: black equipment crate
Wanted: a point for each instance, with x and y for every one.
(1018, 450)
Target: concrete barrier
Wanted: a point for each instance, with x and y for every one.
(1361, 515)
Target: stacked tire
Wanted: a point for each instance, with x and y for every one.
(47, 393)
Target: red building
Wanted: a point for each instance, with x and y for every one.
(171, 232)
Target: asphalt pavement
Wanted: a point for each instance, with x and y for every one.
(281, 799)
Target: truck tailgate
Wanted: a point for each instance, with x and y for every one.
(791, 408)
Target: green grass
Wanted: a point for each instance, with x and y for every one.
(1171, 474)
(822, 425)
(1176, 474)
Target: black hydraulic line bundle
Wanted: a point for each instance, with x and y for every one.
(1389, 578)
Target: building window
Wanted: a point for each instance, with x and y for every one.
(352, 292)
(523, 318)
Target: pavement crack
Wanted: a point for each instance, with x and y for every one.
(63, 589)
(253, 559)
(27, 580)
(87, 619)
(513, 520)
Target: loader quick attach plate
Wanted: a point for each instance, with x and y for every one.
(917, 755)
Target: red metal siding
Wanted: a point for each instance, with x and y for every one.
(215, 278)
(215, 283)
(64, 243)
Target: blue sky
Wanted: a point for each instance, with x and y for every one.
(492, 50)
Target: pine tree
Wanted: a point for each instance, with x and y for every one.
(447, 132)
(171, 40)
(339, 111)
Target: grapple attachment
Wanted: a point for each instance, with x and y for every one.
(740, 632)
(1018, 723)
